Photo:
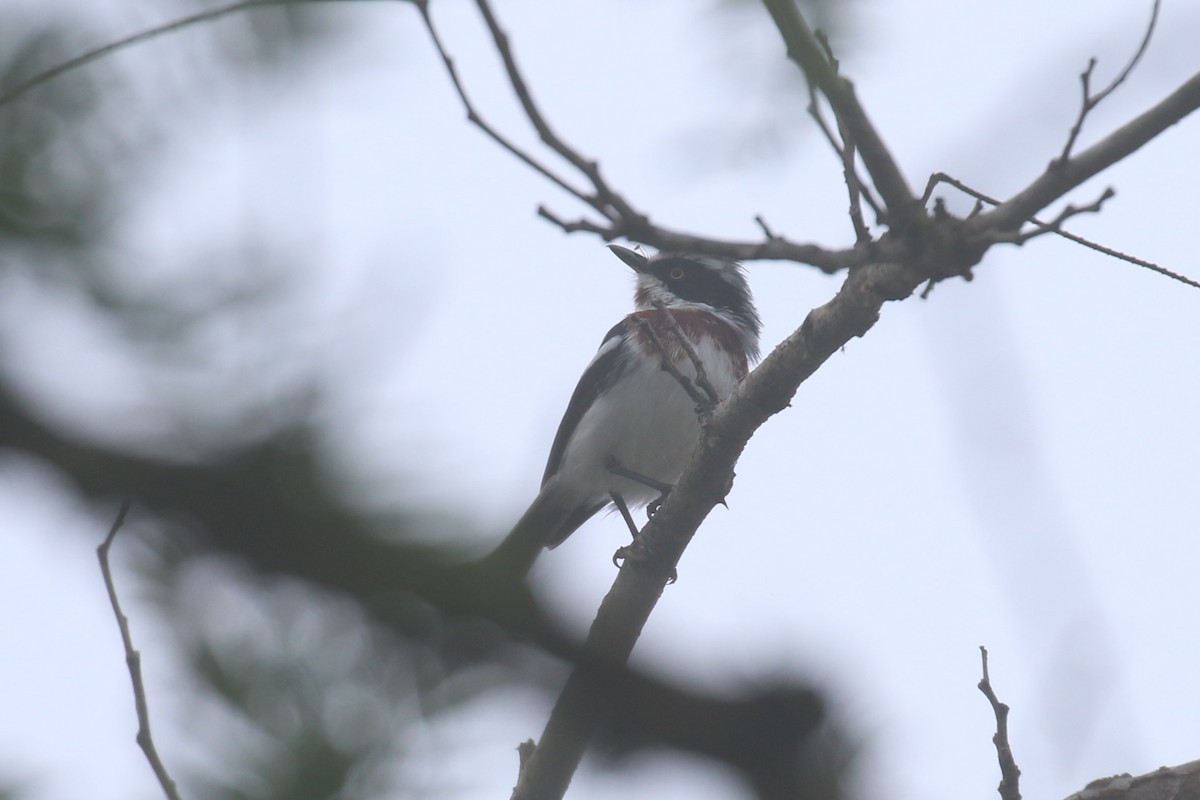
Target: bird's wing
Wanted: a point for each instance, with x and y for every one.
(599, 376)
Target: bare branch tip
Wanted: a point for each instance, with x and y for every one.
(766, 229)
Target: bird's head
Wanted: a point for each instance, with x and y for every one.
(683, 279)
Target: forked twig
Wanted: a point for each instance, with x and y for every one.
(133, 660)
(980, 197)
(1090, 101)
(478, 121)
(1055, 225)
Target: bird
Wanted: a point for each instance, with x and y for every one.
(631, 425)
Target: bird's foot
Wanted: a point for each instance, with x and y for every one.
(636, 552)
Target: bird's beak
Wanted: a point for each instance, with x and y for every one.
(636, 261)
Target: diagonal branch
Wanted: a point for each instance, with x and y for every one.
(980, 198)
(606, 201)
(950, 245)
(476, 119)
(1180, 782)
(804, 48)
(667, 364)
(133, 660)
(624, 612)
(700, 390)
(710, 397)
(1055, 225)
(97, 53)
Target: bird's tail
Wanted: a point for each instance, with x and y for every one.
(547, 523)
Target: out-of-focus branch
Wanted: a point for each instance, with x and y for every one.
(1166, 783)
(139, 37)
(133, 660)
(266, 507)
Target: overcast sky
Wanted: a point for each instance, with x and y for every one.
(1012, 462)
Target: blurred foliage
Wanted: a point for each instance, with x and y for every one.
(316, 695)
(47, 198)
(764, 116)
(324, 633)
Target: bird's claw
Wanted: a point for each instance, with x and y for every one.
(636, 552)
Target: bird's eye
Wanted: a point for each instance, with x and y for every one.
(675, 274)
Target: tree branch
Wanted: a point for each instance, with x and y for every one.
(1166, 783)
(1055, 225)
(1010, 775)
(1057, 180)
(980, 198)
(133, 660)
(139, 37)
(704, 483)
(804, 48)
(705, 400)
(476, 119)
(944, 247)
(1090, 101)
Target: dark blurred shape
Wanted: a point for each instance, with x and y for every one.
(50, 199)
(777, 736)
(266, 508)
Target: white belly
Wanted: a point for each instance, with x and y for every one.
(646, 423)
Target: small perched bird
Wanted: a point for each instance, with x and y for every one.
(631, 426)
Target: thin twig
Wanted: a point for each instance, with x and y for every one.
(476, 119)
(764, 227)
(980, 197)
(1010, 774)
(606, 201)
(136, 38)
(854, 187)
(1055, 225)
(772, 247)
(622, 219)
(805, 49)
(1090, 101)
(701, 374)
(845, 152)
(133, 660)
(606, 232)
(701, 398)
